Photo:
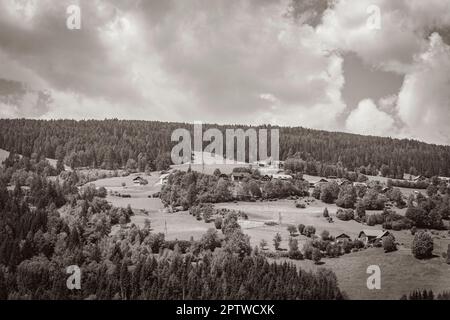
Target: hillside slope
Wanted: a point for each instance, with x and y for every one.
(111, 143)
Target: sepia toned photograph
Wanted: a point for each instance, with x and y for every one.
(204, 151)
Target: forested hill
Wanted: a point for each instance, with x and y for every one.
(112, 143)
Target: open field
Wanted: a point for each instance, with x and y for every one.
(260, 212)
(178, 225)
(3, 155)
(400, 273)
(209, 168)
(139, 193)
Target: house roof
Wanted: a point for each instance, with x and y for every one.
(240, 174)
(137, 178)
(281, 176)
(316, 180)
(163, 176)
(374, 233)
(343, 235)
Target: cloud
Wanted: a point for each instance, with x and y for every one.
(424, 99)
(19, 100)
(250, 61)
(367, 119)
(404, 25)
(193, 60)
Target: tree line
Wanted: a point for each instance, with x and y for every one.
(112, 143)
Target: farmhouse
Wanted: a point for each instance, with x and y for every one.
(316, 181)
(282, 176)
(239, 176)
(340, 238)
(224, 176)
(420, 178)
(445, 180)
(163, 178)
(360, 184)
(140, 181)
(344, 182)
(371, 236)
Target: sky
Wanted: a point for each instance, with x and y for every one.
(373, 67)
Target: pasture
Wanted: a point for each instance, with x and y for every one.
(400, 271)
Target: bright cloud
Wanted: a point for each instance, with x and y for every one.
(367, 119)
(424, 99)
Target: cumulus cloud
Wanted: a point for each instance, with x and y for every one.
(403, 26)
(367, 119)
(189, 60)
(424, 99)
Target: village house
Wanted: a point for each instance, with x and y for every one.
(344, 182)
(164, 178)
(445, 180)
(280, 176)
(317, 181)
(239, 176)
(140, 181)
(368, 236)
(360, 184)
(410, 177)
(342, 237)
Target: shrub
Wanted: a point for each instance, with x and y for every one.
(325, 235)
(347, 246)
(374, 219)
(358, 244)
(294, 253)
(210, 240)
(389, 244)
(218, 223)
(325, 213)
(333, 250)
(292, 229)
(422, 246)
(360, 210)
(345, 215)
(347, 197)
(277, 241)
(301, 228)
(300, 205)
(309, 231)
(263, 244)
(316, 255)
(329, 192)
(308, 250)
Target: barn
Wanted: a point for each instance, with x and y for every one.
(371, 236)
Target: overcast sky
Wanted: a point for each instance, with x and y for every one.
(297, 63)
